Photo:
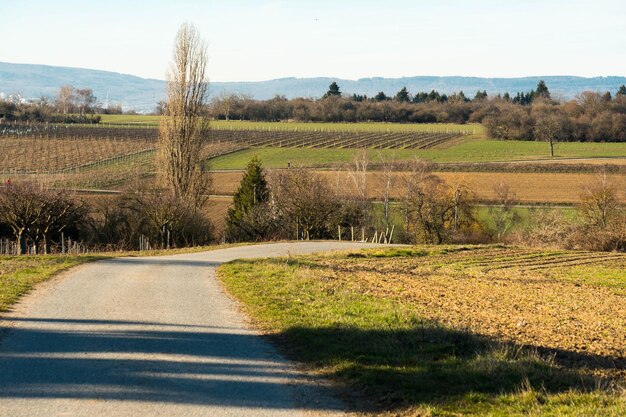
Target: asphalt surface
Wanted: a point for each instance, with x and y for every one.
(150, 336)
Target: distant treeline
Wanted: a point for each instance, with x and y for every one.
(71, 105)
(590, 117)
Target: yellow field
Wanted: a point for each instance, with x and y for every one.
(529, 187)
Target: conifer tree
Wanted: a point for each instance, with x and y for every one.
(403, 95)
(253, 194)
(621, 91)
(542, 90)
(333, 90)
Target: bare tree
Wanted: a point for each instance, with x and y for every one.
(182, 124)
(37, 215)
(502, 213)
(599, 204)
(66, 99)
(19, 209)
(85, 101)
(387, 176)
(551, 128)
(306, 202)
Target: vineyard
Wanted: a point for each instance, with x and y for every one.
(83, 157)
(254, 136)
(80, 156)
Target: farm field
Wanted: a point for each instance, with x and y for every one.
(153, 121)
(529, 187)
(453, 330)
(468, 150)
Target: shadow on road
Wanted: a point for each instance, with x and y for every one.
(110, 360)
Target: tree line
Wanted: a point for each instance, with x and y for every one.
(71, 105)
(529, 115)
(298, 203)
(302, 204)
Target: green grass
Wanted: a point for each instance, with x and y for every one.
(468, 151)
(130, 120)
(402, 363)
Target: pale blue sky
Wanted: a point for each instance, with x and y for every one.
(259, 40)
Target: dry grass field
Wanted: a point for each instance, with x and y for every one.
(452, 330)
(529, 187)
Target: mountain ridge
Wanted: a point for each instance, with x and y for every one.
(142, 94)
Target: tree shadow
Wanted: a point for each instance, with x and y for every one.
(432, 364)
(148, 362)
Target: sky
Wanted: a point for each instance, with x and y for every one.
(253, 40)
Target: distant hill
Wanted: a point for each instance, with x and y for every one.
(141, 94)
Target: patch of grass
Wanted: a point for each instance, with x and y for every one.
(359, 317)
(467, 150)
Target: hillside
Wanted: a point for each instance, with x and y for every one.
(31, 81)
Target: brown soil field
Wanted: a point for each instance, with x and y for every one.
(564, 301)
(529, 187)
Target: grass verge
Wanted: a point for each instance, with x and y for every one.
(395, 325)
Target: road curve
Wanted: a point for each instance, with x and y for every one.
(150, 336)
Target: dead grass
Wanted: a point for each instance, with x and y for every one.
(530, 297)
(529, 187)
(452, 330)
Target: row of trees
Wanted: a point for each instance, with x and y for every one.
(298, 203)
(39, 220)
(527, 116)
(591, 117)
(71, 105)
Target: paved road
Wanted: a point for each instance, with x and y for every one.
(152, 336)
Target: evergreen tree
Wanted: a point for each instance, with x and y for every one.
(420, 97)
(403, 95)
(507, 96)
(621, 91)
(381, 96)
(333, 90)
(542, 90)
(253, 193)
(433, 96)
(480, 95)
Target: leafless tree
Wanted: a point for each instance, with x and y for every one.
(182, 124)
(66, 99)
(599, 204)
(37, 214)
(305, 202)
(502, 213)
(551, 128)
(387, 176)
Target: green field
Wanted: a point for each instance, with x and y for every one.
(450, 330)
(469, 150)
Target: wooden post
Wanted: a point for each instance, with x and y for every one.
(393, 226)
(339, 232)
(352, 232)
